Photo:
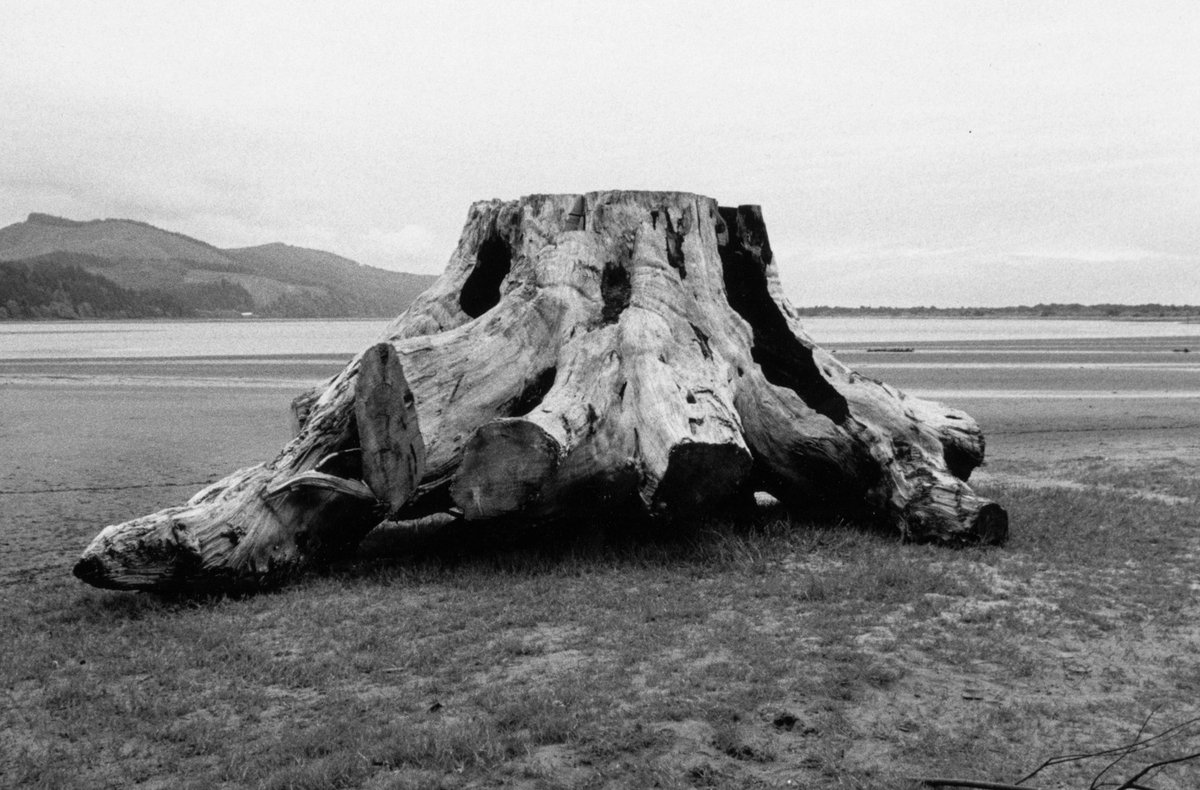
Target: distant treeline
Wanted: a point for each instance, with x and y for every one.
(1053, 310)
(55, 289)
(310, 304)
(62, 285)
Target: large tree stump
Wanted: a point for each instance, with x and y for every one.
(581, 354)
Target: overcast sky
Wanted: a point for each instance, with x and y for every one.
(903, 153)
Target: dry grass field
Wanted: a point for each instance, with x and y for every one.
(764, 652)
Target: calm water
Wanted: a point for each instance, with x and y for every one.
(830, 331)
(115, 339)
(111, 339)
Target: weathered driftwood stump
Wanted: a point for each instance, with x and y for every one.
(579, 355)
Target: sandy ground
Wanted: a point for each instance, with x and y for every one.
(1047, 401)
(83, 455)
(92, 442)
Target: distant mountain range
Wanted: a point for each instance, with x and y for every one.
(52, 267)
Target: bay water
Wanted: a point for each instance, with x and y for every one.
(49, 340)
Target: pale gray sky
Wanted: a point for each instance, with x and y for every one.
(903, 153)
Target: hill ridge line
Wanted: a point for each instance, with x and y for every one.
(39, 218)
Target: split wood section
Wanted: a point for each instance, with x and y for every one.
(581, 355)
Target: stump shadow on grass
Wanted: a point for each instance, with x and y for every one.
(736, 538)
(719, 540)
(124, 606)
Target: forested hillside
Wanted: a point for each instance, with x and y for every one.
(59, 286)
(136, 269)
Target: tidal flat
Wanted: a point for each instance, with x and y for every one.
(765, 652)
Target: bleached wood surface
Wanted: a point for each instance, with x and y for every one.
(581, 353)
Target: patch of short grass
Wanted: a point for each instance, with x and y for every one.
(735, 654)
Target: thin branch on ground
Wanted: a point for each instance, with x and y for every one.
(975, 784)
(1121, 752)
(1153, 768)
(1185, 729)
(1125, 753)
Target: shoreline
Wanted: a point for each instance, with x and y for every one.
(937, 313)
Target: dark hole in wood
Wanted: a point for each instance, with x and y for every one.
(481, 292)
(533, 394)
(429, 500)
(722, 233)
(784, 360)
(675, 247)
(959, 462)
(616, 290)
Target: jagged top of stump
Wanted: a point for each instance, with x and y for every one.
(648, 197)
